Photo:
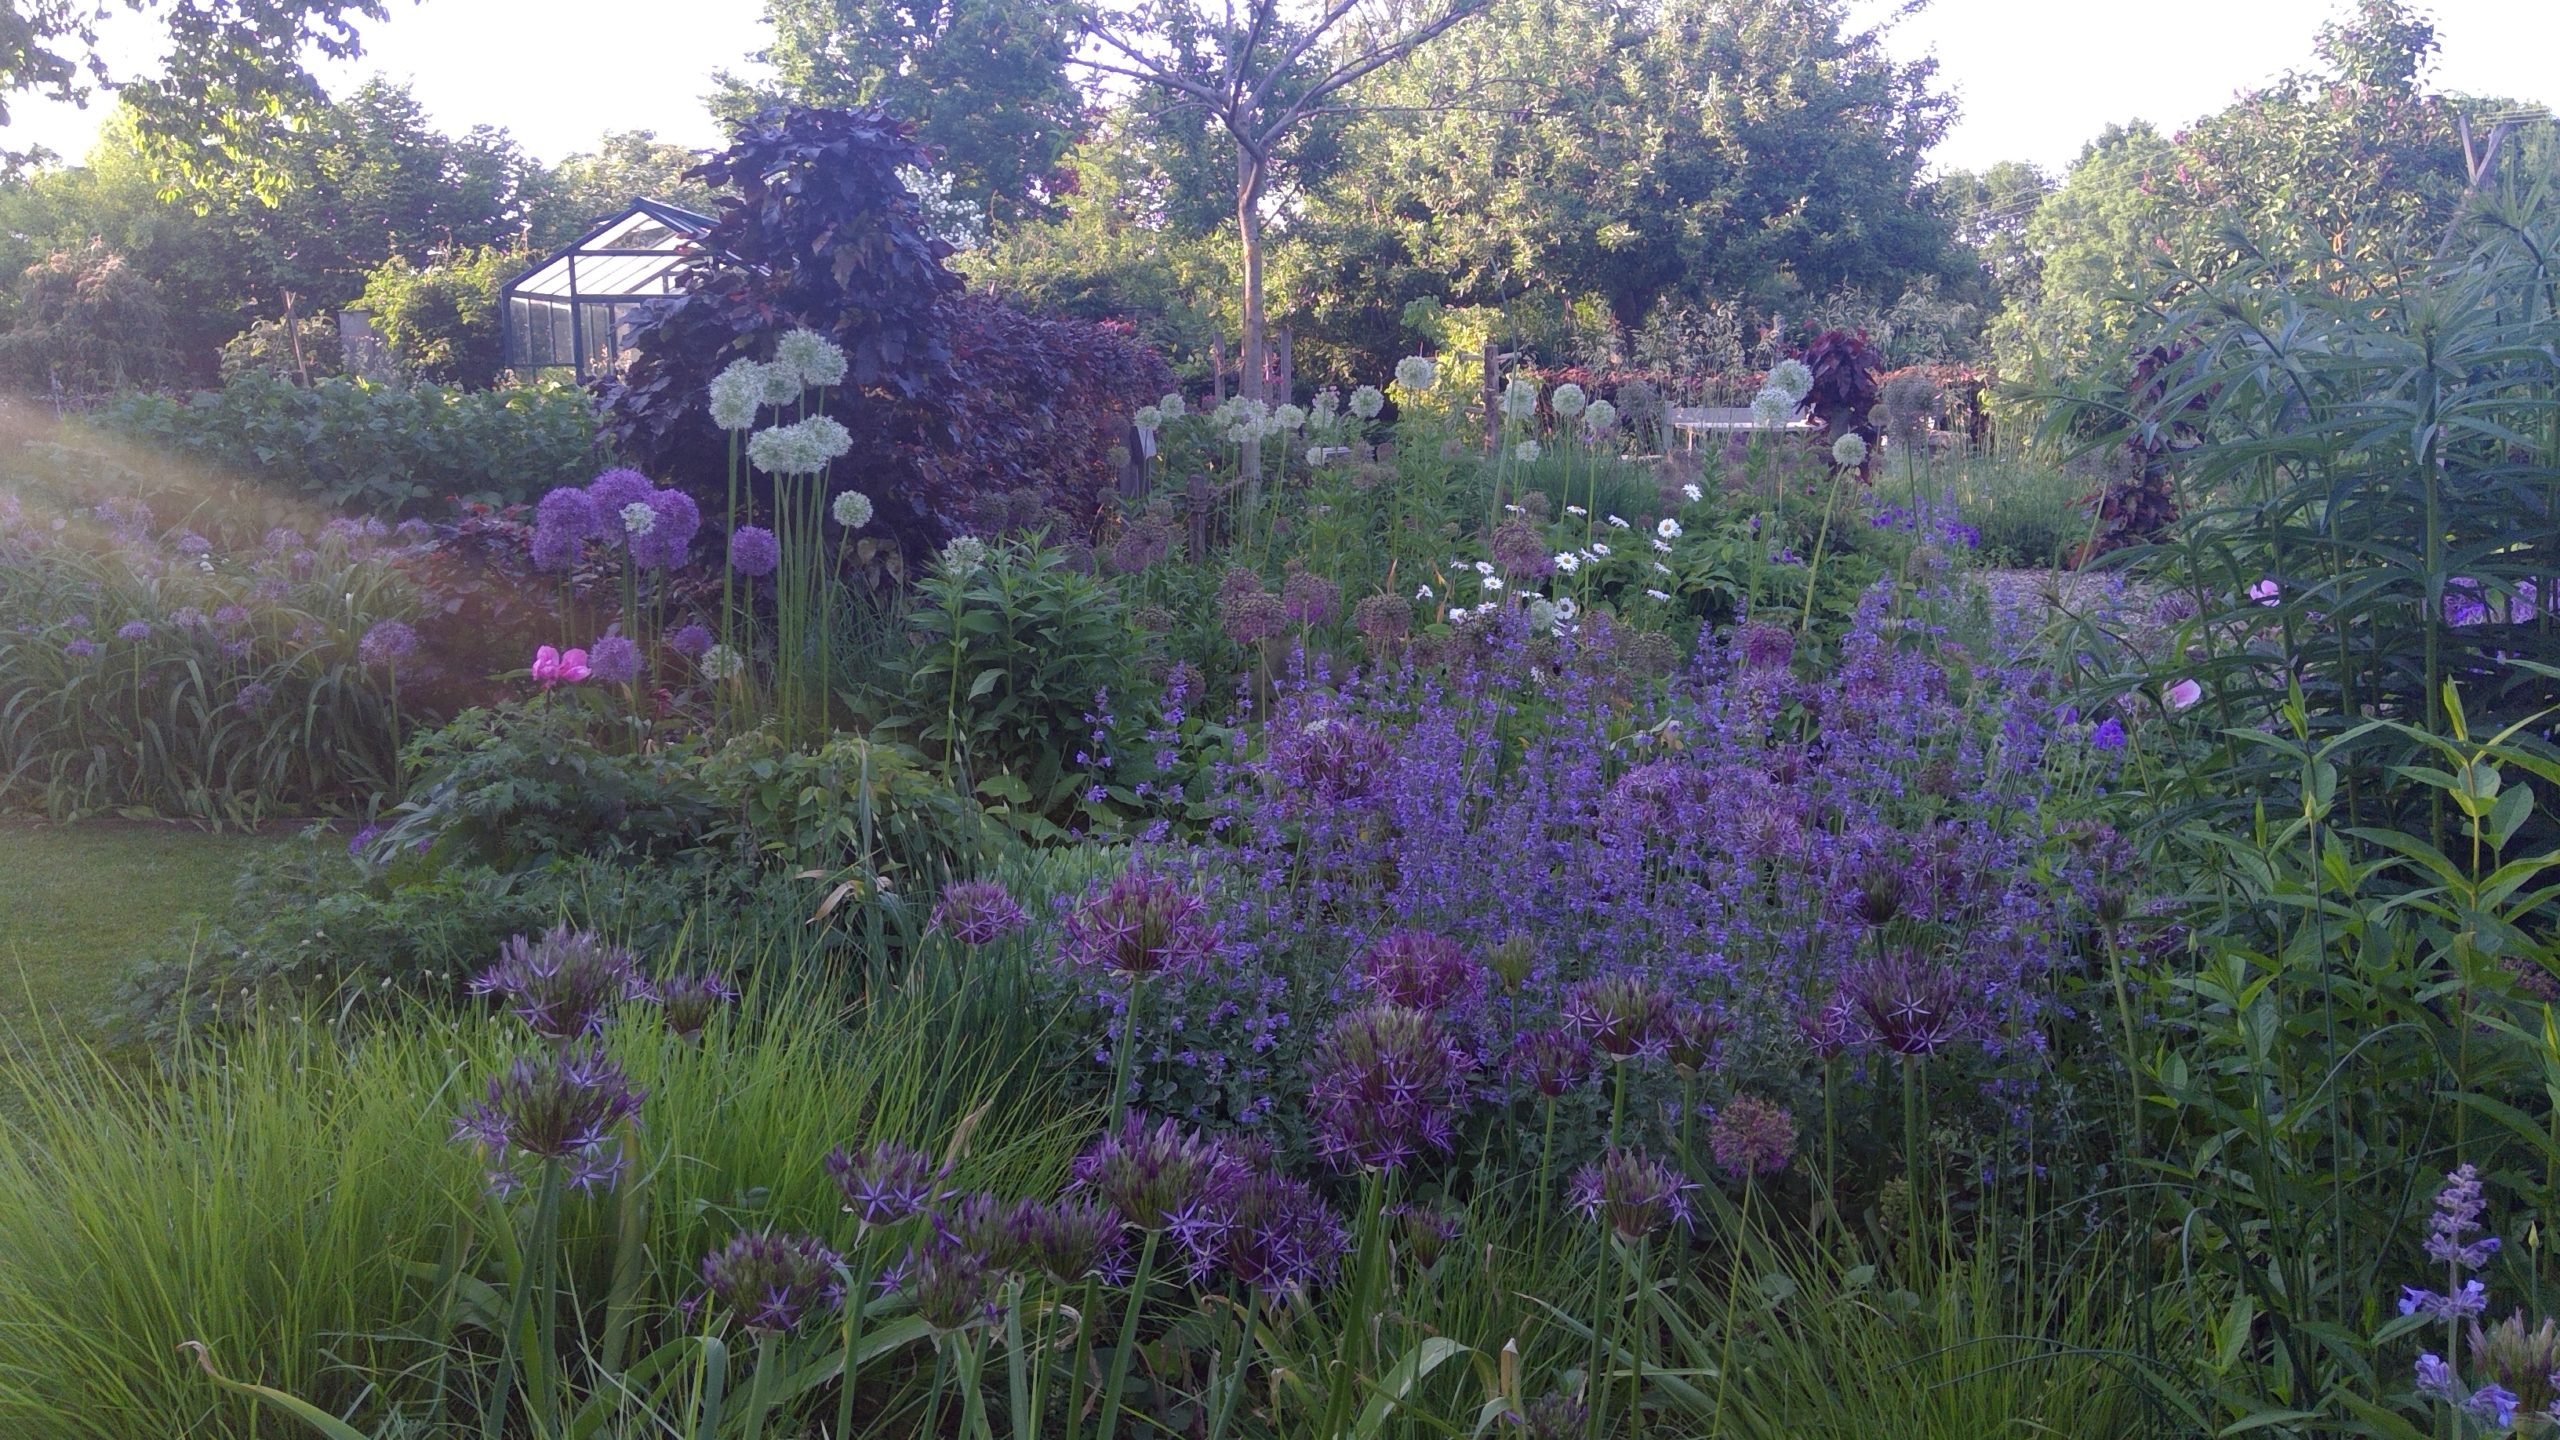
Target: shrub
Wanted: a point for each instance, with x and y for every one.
(366, 446)
(85, 322)
(442, 321)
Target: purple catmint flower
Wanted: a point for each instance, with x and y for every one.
(2435, 1377)
(564, 521)
(559, 1105)
(692, 641)
(1622, 1016)
(1422, 971)
(362, 840)
(1072, 1238)
(1283, 1239)
(1912, 1004)
(565, 984)
(2457, 1220)
(1164, 1178)
(386, 642)
(772, 1283)
(1752, 1136)
(886, 1183)
(1636, 1197)
(687, 1002)
(1141, 925)
(753, 551)
(136, 630)
(977, 912)
(667, 542)
(613, 660)
(2469, 1300)
(1388, 1086)
(1553, 1062)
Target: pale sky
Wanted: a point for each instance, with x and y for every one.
(2037, 78)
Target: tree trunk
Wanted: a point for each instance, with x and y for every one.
(1252, 363)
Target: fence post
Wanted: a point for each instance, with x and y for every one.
(1218, 368)
(1286, 353)
(1195, 502)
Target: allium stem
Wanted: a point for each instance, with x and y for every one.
(2132, 1071)
(1109, 1424)
(1911, 1150)
(1128, 1050)
(855, 1296)
(757, 1404)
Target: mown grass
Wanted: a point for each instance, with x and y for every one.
(78, 903)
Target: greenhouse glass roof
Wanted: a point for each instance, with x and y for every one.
(568, 310)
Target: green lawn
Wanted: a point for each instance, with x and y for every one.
(80, 902)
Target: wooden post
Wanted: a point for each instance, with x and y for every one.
(1196, 503)
(1218, 368)
(1286, 354)
(1492, 398)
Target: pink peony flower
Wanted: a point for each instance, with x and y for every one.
(553, 667)
(2266, 592)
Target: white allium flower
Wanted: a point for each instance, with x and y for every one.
(1656, 594)
(1619, 522)
(736, 394)
(1668, 529)
(801, 448)
(1542, 613)
(781, 383)
(1567, 562)
(852, 509)
(1771, 407)
(813, 357)
(1600, 418)
(1492, 582)
(964, 553)
(1328, 405)
(1417, 373)
(1692, 494)
(1849, 451)
(721, 663)
(1288, 418)
(1793, 379)
(1422, 594)
(1597, 548)
(1525, 452)
(1520, 398)
(1569, 400)
(639, 518)
(1367, 401)
(1484, 567)
(1147, 418)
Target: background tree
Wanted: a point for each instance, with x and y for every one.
(442, 320)
(84, 321)
(985, 82)
(563, 202)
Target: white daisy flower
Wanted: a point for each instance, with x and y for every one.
(1669, 529)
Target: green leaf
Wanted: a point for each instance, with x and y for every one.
(300, 1409)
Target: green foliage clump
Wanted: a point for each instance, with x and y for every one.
(442, 319)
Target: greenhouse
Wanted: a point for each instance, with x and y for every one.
(568, 310)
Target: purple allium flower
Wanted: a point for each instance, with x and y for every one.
(2457, 1219)
(125, 518)
(254, 698)
(1422, 1234)
(2471, 1299)
(1071, 1238)
(689, 1001)
(950, 1285)
(1422, 971)
(563, 521)
(362, 841)
(2494, 1403)
(1636, 1197)
(303, 564)
(753, 551)
(282, 540)
(231, 617)
(1764, 646)
(1284, 1239)
(565, 984)
(413, 532)
(666, 543)
(1752, 1136)
(1247, 612)
(1623, 1016)
(2435, 1377)
(136, 630)
(977, 912)
(771, 1283)
(1388, 1085)
(1331, 760)
(611, 491)
(691, 641)
(1554, 1417)
(1692, 1036)
(613, 660)
(1141, 925)
(82, 648)
(187, 617)
(984, 1226)
(1553, 1062)
(1914, 1005)
(1143, 541)
(886, 1183)
(558, 1105)
(1309, 599)
(386, 642)
(1833, 1027)
(189, 542)
(2109, 735)
(1169, 1179)
(1520, 551)
(1383, 618)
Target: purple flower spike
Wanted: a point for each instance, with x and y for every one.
(886, 1183)
(564, 985)
(2457, 1219)
(561, 1105)
(1142, 925)
(1388, 1087)
(1636, 1197)
(977, 912)
(773, 1283)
